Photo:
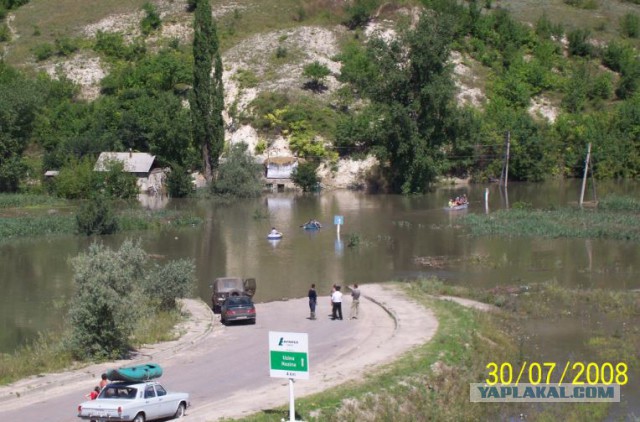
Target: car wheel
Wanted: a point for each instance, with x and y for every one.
(253, 321)
(139, 418)
(180, 411)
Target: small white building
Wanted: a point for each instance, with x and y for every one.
(278, 172)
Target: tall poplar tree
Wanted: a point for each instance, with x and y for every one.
(207, 99)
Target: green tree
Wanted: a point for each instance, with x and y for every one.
(117, 183)
(207, 99)
(20, 103)
(174, 280)
(96, 217)
(77, 180)
(316, 73)
(108, 300)
(239, 175)
(305, 177)
(179, 182)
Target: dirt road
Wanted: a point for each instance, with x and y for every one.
(225, 368)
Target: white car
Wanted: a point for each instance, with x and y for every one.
(134, 401)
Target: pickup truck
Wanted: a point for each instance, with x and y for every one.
(224, 287)
(134, 401)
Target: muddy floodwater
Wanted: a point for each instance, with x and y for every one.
(383, 237)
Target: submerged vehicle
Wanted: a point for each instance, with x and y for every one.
(223, 287)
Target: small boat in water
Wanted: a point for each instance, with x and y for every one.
(312, 225)
(274, 235)
(456, 207)
(135, 373)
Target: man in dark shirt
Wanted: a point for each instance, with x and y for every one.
(313, 300)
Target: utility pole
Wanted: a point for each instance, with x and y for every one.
(504, 176)
(586, 171)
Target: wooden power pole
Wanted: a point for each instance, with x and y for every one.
(504, 176)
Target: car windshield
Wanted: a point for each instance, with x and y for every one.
(239, 301)
(118, 392)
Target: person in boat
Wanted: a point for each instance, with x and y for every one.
(274, 232)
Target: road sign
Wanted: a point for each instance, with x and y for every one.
(338, 220)
(288, 355)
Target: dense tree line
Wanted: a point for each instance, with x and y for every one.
(399, 103)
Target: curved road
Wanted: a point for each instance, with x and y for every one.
(226, 369)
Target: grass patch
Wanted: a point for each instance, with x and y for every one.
(44, 225)
(21, 200)
(158, 328)
(566, 222)
(128, 220)
(138, 219)
(572, 17)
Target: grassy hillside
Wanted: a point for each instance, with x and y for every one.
(42, 21)
(601, 16)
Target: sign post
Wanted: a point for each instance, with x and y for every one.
(289, 358)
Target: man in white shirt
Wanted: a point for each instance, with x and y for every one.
(336, 302)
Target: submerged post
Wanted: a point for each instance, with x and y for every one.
(486, 200)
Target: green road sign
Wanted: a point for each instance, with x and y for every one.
(288, 355)
(289, 361)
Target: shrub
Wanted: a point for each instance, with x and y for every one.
(66, 46)
(43, 51)
(304, 176)
(5, 33)
(617, 56)
(579, 42)
(238, 175)
(117, 183)
(179, 183)
(630, 25)
(316, 73)
(151, 21)
(359, 13)
(260, 147)
(77, 180)
(281, 52)
(96, 217)
(175, 280)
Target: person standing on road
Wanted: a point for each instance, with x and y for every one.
(336, 302)
(355, 301)
(313, 300)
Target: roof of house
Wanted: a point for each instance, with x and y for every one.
(134, 162)
(280, 160)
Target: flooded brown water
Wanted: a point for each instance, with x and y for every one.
(397, 238)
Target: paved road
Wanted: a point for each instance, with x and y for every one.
(226, 369)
